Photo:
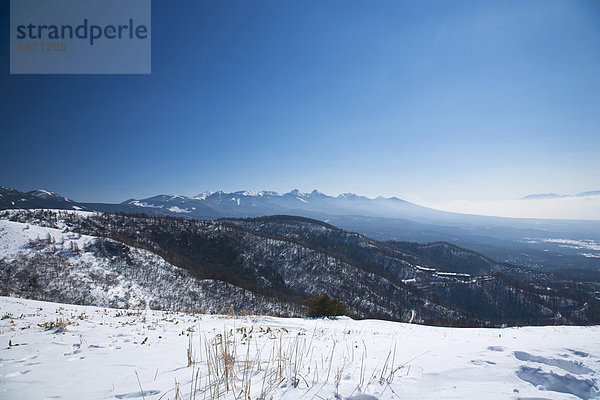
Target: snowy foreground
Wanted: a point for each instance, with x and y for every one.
(57, 351)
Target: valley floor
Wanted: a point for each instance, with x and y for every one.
(58, 351)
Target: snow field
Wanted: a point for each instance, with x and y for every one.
(59, 351)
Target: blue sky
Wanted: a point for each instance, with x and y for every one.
(429, 101)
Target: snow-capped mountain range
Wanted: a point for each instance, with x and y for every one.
(528, 242)
(258, 203)
(247, 203)
(221, 204)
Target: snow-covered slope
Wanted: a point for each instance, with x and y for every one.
(61, 351)
(56, 264)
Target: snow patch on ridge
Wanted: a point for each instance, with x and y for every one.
(144, 204)
(176, 209)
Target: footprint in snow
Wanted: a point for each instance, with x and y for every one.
(579, 353)
(18, 373)
(582, 388)
(496, 348)
(76, 350)
(573, 367)
(27, 358)
(482, 362)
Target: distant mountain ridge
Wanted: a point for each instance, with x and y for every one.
(520, 241)
(559, 196)
(259, 203)
(221, 204)
(248, 203)
(12, 198)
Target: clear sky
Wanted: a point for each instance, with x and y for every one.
(434, 102)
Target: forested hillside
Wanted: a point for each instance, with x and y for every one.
(277, 261)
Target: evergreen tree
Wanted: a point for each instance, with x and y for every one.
(324, 306)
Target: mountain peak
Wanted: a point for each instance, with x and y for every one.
(44, 194)
(202, 196)
(394, 198)
(249, 193)
(350, 196)
(41, 193)
(296, 192)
